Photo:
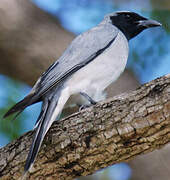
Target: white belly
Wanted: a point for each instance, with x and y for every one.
(102, 71)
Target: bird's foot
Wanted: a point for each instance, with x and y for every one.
(82, 107)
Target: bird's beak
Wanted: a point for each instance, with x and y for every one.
(149, 23)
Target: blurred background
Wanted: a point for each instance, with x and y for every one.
(33, 34)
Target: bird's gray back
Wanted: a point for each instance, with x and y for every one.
(80, 51)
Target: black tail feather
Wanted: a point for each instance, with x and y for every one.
(37, 141)
(43, 122)
(20, 106)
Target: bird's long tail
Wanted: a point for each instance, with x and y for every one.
(51, 109)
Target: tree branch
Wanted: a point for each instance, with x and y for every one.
(112, 131)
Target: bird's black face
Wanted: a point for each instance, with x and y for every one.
(131, 24)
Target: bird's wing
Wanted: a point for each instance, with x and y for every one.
(81, 51)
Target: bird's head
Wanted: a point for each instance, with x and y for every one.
(130, 23)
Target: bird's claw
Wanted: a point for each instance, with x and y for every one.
(82, 107)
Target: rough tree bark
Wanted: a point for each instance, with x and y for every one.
(115, 130)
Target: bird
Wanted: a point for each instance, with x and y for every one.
(92, 61)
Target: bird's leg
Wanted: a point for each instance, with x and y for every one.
(92, 102)
(88, 98)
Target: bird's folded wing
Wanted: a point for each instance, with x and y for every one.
(83, 49)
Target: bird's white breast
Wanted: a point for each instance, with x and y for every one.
(102, 71)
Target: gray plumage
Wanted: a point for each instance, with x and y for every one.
(79, 53)
(91, 63)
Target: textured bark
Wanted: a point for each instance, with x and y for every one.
(112, 131)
